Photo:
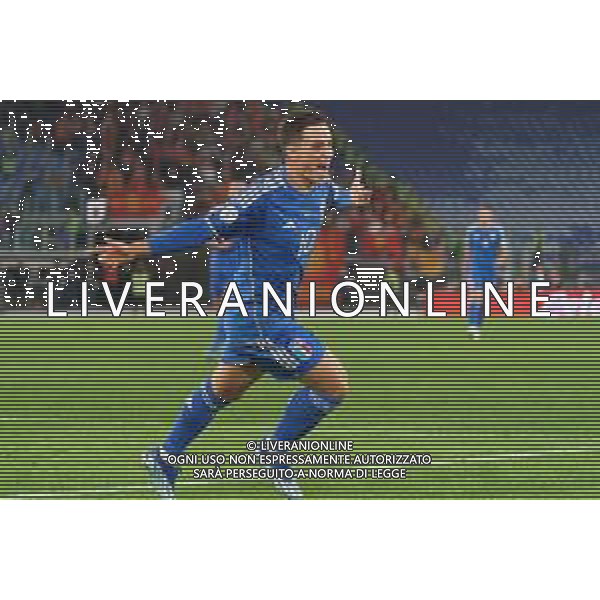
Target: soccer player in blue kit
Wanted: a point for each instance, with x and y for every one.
(485, 248)
(274, 221)
(222, 258)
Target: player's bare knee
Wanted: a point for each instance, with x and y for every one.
(329, 378)
(230, 382)
(342, 385)
(226, 393)
(337, 386)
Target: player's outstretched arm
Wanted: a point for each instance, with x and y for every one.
(234, 217)
(184, 236)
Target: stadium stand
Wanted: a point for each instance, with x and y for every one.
(69, 170)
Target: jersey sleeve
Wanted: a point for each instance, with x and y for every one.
(236, 217)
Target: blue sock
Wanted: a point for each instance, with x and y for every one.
(476, 314)
(304, 412)
(198, 411)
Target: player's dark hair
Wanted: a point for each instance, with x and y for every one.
(292, 128)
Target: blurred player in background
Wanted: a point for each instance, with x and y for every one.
(485, 250)
(274, 222)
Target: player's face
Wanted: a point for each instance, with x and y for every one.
(485, 216)
(311, 154)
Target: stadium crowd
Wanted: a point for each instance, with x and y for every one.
(72, 170)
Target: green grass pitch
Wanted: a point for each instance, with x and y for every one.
(516, 415)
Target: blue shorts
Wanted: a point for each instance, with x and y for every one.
(278, 346)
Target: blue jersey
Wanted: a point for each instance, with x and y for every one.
(275, 227)
(223, 262)
(484, 245)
